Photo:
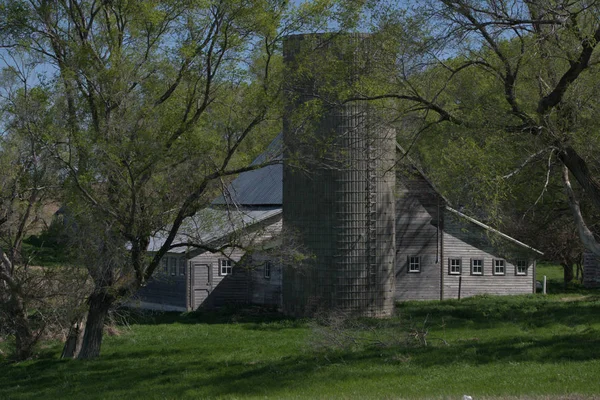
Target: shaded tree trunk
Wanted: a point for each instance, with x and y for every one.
(100, 303)
(74, 340)
(567, 272)
(24, 337)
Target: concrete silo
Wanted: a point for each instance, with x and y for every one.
(338, 182)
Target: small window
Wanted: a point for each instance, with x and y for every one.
(182, 265)
(164, 262)
(498, 267)
(268, 270)
(476, 266)
(173, 265)
(521, 267)
(454, 265)
(414, 264)
(226, 266)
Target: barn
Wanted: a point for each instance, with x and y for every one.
(441, 253)
(372, 227)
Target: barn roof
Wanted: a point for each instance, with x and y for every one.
(259, 187)
(212, 224)
(255, 196)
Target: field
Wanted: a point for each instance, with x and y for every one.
(487, 347)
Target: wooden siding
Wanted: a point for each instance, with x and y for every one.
(222, 289)
(164, 288)
(417, 209)
(266, 291)
(467, 241)
(245, 284)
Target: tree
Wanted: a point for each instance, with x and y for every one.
(509, 83)
(161, 102)
(33, 301)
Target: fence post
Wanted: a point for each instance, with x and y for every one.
(544, 284)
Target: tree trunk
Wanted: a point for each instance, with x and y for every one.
(99, 304)
(24, 338)
(585, 234)
(74, 340)
(567, 273)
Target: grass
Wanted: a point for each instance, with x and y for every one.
(487, 347)
(555, 280)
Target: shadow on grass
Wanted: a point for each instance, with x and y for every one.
(198, 370)
(259, 316)
(180, 373)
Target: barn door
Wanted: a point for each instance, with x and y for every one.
(201, 284)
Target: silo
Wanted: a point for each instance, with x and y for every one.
(338, 182)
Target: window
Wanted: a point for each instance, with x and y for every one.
(268, 270)
(226, 266)
(521, 267)
(173, 265)
(165, 265)
(498, 267)
(454, 266)
(476, 267)
(414, 264)
(182, 265)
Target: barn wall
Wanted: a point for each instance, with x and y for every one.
(467, 241)
(224, 289)
(266, 291)
(166, 287)
(417, 209)
(247, 283)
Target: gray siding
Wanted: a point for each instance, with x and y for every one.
(467, 241)
(166, 288)
(266, 291)
(417, 210)
(222, 289)
(246, 284)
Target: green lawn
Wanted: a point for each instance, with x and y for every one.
(534, 346)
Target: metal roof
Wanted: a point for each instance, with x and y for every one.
(259, 187)
(211, 224)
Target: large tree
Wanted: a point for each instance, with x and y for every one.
(509, 85)
(160, 102)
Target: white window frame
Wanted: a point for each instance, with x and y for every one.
(523, 266)
(225, 266)
(268, 267)
(499, 262)
(454, 266)
(473, 272)
(414, 264)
